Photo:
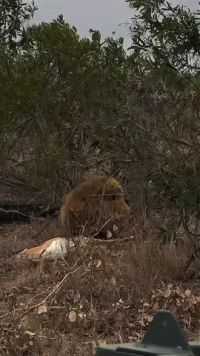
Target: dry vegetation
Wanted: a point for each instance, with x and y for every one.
(105, 291)
(72, 106)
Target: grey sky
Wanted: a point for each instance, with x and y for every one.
(104, 15)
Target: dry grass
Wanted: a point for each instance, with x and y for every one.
(109, 291)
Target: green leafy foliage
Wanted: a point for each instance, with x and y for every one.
(68, 90)
(13, 15)
(166, 35)
(72, 105)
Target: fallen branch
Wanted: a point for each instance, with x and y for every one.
(14, 212)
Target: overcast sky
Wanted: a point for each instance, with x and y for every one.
(103, 15)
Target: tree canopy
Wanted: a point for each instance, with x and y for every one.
(71, 105)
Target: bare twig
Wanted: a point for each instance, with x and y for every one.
(194, 240)
(101, 228)
(53, 292)
(125, 239)
(4, 315)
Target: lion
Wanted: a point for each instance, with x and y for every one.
(92, 205)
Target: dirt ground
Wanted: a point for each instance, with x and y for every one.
(104, 292)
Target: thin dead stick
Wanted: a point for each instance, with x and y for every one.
(4, 315)
(53, 292)
(111, 240)
(101, 228)
(190, 260)
(122, 240)
(59, 284)
(13, 211)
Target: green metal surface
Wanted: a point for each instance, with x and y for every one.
(164, 337)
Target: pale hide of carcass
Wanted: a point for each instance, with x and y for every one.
(55, 248)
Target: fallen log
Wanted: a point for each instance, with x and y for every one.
(13, 212)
